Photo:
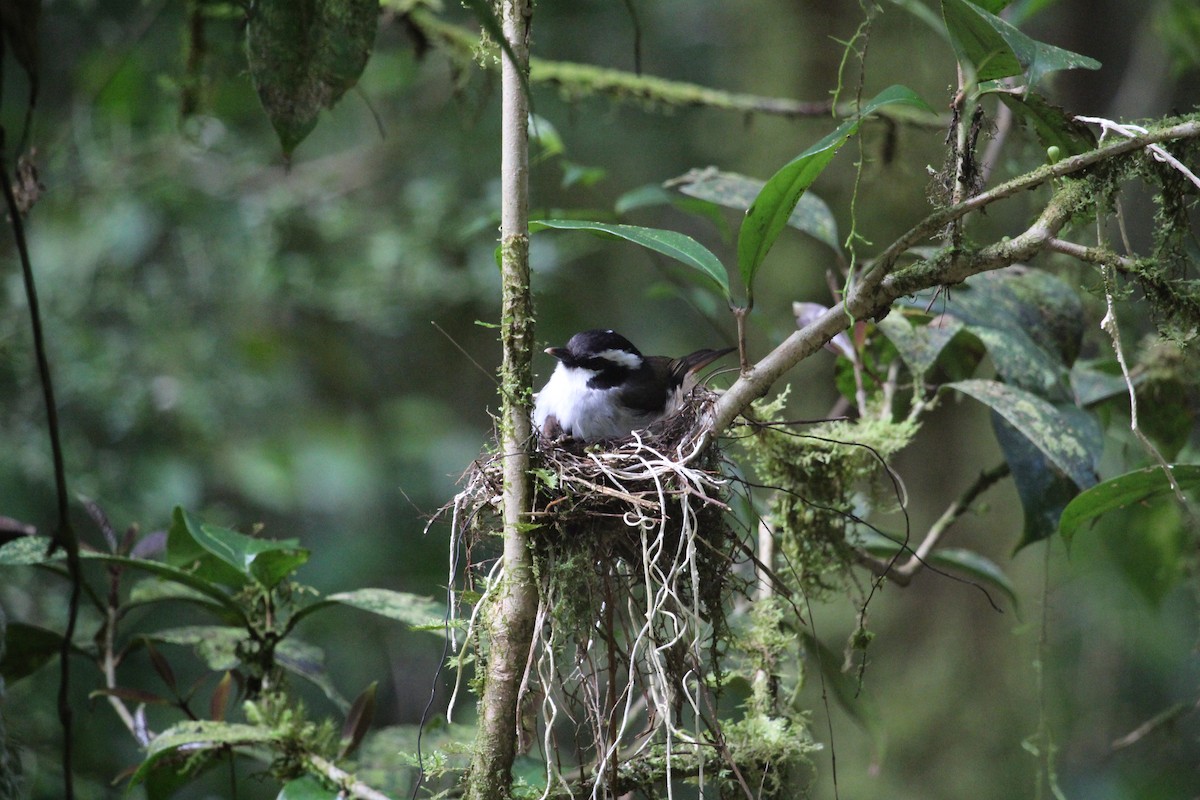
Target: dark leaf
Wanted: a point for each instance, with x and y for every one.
(19, 19)
(919, 345)
(304, 55)
(162, 667)
(220, 697)
(358, 721)
(26, 649)
(1044, 490)
(1055, 433)
(101, 519)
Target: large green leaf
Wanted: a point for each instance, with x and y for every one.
(1041, 306)
(1020, 362)
(304, 55)
(200, 735)
(811, 214)
(773, 207)
(1138, 486)
(678, 246)
(1043, 489)
(419, 613)
(32, 550)
(919, 345)
(998, 50)
(1053, 433)
(264, 561)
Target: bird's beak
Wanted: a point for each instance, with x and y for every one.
(557, 352)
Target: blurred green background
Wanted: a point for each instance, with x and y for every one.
(259, 343)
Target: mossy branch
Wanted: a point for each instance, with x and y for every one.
(882, 284)
(510, 615)
(577, 81)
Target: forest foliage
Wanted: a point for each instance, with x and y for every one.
(256, 422)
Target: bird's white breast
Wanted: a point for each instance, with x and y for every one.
(585, 412)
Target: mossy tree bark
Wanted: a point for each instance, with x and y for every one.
(510, 615)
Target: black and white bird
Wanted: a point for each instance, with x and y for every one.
(604, 388)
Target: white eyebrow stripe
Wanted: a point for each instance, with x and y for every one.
(621, 357)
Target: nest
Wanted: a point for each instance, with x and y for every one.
(633, 558)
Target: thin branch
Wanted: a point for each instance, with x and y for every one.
(904, 573)
(350, 786)
(64, 535)
(873, 295)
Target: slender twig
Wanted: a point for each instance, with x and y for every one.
(64, 535)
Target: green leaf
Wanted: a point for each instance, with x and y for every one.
(304, 55)
(678, 246)
(1031, 302)
(1048, 429)
(654, 194)
(31, 550)
(306, 788)
(773, 207)
(1020, 362)
(419, 613)
(27, 551)
(1095, 382)
(998, 50)
(731, 190)
(198, 736)
(919, 345)
(1053, 126)
(1138, 486)
(264, 560)
(156, 590)
(1043, 490)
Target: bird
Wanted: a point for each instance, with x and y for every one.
(604, 388)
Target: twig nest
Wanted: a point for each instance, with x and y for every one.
(640, 482)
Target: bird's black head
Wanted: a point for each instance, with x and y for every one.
(598, 350)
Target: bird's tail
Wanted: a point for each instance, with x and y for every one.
(693, 362)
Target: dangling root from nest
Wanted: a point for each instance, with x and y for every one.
(633, 561)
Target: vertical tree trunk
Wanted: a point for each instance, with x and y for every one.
(511, 616)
